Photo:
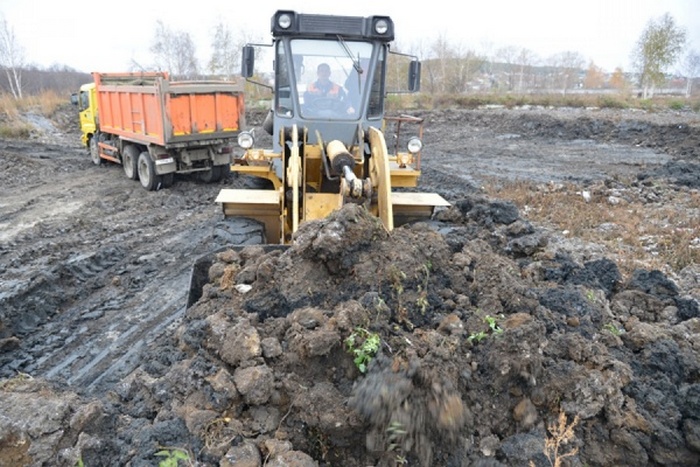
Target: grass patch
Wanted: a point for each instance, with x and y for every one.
(15, 130)
(45, 103)
(662, 235)
(618, 100)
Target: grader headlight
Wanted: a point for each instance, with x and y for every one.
(414, 145)
(246, 139)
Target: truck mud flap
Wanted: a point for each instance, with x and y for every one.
(199, 276)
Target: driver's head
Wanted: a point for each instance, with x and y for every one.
(323, 71)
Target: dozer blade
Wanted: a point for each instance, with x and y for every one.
(412, 207)
(199, 276)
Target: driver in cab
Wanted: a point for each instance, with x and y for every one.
(325, 95)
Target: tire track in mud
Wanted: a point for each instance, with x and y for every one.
(98, 271)
(130, 297)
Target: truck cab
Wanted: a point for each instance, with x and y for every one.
(86, 101)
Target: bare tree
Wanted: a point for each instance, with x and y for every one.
(451, 68)
(226, 50)
(690, 68)
(658, 47)
(11, 58)
(508, 57)
(226, 56)
(568, 67)
(525, 60)
(174, 51)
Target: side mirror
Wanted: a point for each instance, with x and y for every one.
(248, 65)
(74, 98)
(414, 76)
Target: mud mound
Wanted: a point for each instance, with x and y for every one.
(464, 341)
(440, 344)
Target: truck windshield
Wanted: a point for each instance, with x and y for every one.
(330, 77)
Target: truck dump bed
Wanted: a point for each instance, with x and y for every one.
(149, 108)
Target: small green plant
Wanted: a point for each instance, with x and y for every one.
(363, 345)
(477, 336)
(493, 325)
(79, 463)
(172, 457)
(590, 295)
(612, 329)
(495, 330)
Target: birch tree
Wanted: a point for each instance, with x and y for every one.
(12, 58)
(174, 51)
(659, 47)
(690, 68)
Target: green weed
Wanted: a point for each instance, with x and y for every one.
(363, 345)
(172, 457)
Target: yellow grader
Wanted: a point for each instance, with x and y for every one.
(328, 129)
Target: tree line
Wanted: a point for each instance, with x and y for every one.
(449, 68)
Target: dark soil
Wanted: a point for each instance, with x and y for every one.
(490, 328)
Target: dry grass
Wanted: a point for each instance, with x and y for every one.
(11, 124)
(621, 100)
(45, 103)
(560, 434)
(661, 234)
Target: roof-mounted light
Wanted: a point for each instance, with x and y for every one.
(381, 26)
(284, 20)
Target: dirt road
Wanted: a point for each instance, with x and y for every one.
(95, 270)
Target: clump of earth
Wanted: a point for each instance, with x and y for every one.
(472, 339)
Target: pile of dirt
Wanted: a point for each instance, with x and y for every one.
(456, 342)
(463, 341)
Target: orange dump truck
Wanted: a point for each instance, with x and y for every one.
(155, 127)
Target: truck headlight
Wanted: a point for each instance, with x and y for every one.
(246, 139)
(414, 145)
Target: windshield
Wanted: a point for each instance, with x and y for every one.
(330, 77)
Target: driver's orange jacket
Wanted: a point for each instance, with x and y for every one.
(333, 92)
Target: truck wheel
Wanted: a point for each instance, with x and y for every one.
(239, 231)
(95, 151)
(215, 174)
(168, 179)
(147, 172)
(130, 159)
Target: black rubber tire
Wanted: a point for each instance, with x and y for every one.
(130, 161)
(239, 231)
(215, 174)
(168, 179)
(94, 151)
(147, 172)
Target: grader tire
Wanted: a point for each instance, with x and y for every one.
(239, 231)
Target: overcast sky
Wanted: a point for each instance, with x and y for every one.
(107, 36)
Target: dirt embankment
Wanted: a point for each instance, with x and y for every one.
(482, 328)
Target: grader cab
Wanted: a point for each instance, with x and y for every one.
(328, 126)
